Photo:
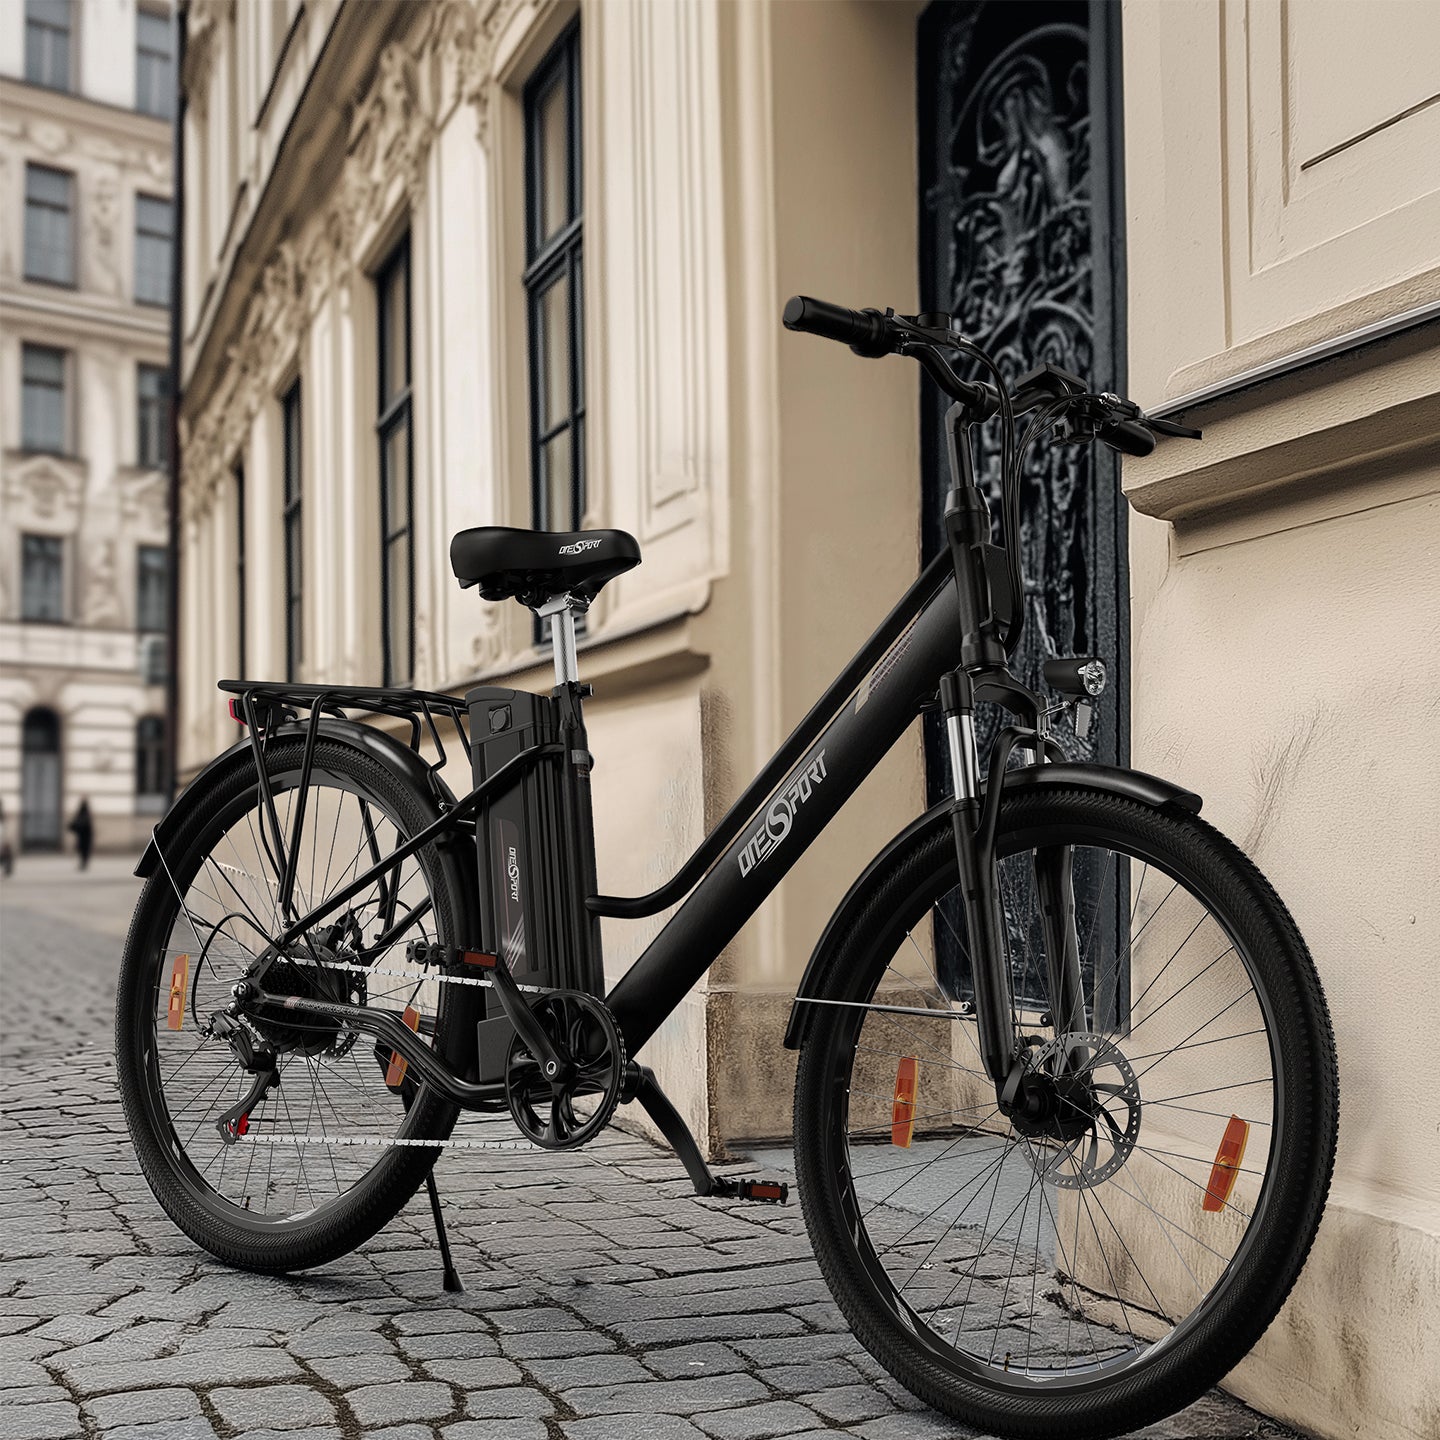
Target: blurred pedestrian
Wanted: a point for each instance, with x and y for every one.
(84, 828)
(7, 855)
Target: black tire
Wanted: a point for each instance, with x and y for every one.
(232, 1232)
(1228, 1318)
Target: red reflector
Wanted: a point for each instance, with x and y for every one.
(179, 983)
(395, 1072)
(478, 957)
(1227, 1164)
(235, 714)
(902, 1112)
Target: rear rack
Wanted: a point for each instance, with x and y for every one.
(264, 706)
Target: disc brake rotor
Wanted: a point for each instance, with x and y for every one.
(1097, 1085)
(573, 1107)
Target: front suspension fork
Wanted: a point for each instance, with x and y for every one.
(974, 828)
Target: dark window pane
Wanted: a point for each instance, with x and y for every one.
(48, 25)
(151, 588)
(553, 158)
(42, 577)
(42, 398)
(152, 250)
(150, 755)
(559, 482)
(394, 301)
(400, 631)
(552, 340)
(154, 70)
(49, 225)
(395, 470)
(294, 535)
(152, 432)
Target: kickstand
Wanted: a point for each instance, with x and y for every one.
(452, 1280)
(452, 1276)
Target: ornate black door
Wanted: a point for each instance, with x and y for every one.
(1020, 239)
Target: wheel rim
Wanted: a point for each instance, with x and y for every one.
(332, 1121)
(1025, 1261)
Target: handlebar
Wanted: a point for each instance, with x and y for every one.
(865, 331)
(875, 333)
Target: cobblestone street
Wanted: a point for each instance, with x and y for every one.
(602, 1300)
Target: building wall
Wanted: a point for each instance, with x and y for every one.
(104, 505)
(1286, 578)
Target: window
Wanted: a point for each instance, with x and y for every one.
(42, 578)
(49, 225)
(150, 767)
(154, 68)
(241, 636)
(47, 43)
(42, 399)
(152, 250)
(553, 287)
(152, 583)
(397, 548)
(294, 535)
(152, 433)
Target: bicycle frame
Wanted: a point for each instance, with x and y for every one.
(939, 640)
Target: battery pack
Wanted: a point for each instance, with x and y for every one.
(529, 866)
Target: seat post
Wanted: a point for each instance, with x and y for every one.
(561, 612)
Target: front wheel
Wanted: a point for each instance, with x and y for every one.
(1103, 1261)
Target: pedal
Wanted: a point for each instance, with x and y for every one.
(766, 1192)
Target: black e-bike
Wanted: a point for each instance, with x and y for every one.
(1065, 1112)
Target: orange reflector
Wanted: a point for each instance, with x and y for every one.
(1227, 1164)
(179, 984)
(395, 1073)
(902, 1113)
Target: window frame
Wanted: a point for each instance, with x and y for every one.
(547, 259)
(34, 22)
(70, 279)
(144, 51)
(293, 527)
(29, 542)
(159, 459)
(27, 438)
(394, 411)
(144, 233)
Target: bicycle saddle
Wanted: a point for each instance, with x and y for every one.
(534, 566)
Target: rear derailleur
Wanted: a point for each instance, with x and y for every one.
(257, 1059)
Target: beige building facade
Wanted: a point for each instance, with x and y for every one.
(404, 223)
(86, 96)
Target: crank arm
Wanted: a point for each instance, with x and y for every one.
(517, 1010)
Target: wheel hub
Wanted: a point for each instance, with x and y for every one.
(1078, 1104)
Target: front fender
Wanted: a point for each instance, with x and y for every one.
(385, 748)
(1132, 784)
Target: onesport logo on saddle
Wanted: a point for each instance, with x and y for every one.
(579, 547)
(781, 816)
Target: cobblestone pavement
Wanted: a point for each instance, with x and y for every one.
(602, 1301)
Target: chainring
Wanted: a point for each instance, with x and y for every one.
(585, 1033)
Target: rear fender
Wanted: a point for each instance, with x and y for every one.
(385, 748)
(1132, 784)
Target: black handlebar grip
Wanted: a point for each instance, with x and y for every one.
(864, 331)
(1129, 437)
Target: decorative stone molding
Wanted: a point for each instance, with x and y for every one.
(44, 491)
(391, 132)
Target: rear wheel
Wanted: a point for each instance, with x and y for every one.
(1101, 1263)
(316, 1171)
